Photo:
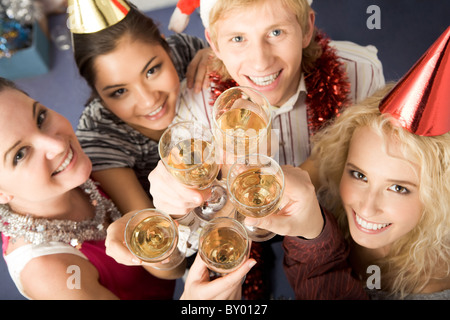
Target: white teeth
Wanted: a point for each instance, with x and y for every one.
(156, 111)
(265, 81)
(65, 163)
(369, 225)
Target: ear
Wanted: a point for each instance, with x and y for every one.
(308, 36)
(5, 198)
(212, 44)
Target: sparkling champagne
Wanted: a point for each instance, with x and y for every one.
(153, 237)
(193, 162)
(224, 248)
(245, 126)
(241, 120)
(258, 193)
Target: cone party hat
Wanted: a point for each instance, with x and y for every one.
(88, 16)
(421, 99)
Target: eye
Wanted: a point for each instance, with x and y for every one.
(41, 118)
(358, 175)
(237, 39)
(153, 70)
(20, 155)
(276, 33)
(399, 189)
(117, 93)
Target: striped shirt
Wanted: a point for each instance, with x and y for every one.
(365, 74)
(111, 143)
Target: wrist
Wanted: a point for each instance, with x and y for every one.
(316, 228)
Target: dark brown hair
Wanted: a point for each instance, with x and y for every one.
(7, 84)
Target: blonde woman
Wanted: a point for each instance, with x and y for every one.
(400, 219)
(384, 173)
(384, 197)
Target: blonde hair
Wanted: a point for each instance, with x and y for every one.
(424, 253)
(301, 9)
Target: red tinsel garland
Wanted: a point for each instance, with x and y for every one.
(327, 86)
(327, 93)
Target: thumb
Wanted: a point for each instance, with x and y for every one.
(252, 222)
(239, 273)
(228, 282)
(199, 270)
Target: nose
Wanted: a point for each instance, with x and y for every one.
(52, 144)
(146, 97)
(371, 203)
(261, 56)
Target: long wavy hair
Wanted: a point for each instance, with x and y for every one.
(301, 8)
(424, 253)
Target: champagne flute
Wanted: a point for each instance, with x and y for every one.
(152, 236)
(242, 123)
(256, 185)
(187, 150)
(224, 245)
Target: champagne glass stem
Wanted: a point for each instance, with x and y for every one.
(254, 233)
(213, 204)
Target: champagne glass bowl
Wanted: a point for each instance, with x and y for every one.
(152, 236)
(256, 185)
(187, 150)
(241, 123)
(224, 245)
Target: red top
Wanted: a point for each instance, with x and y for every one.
(126, 282)
(318, 269)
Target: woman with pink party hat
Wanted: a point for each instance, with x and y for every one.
(384, 168)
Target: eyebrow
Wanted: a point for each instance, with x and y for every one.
(122, 84)
(394, 181)
(35, 104)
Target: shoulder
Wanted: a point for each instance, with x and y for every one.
(96, 114)
(185, 41)
(59, 276)
(355, 52)
(98, 124)
(363, 67)
(183, 49)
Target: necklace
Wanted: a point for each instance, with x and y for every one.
(41, 230)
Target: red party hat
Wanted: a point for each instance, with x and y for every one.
(421, 99)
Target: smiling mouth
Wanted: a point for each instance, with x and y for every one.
(156, 111)
(266, 80)
(65, 163)
(159, 109)
(370, 225)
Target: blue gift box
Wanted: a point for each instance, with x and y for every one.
(28, 62)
